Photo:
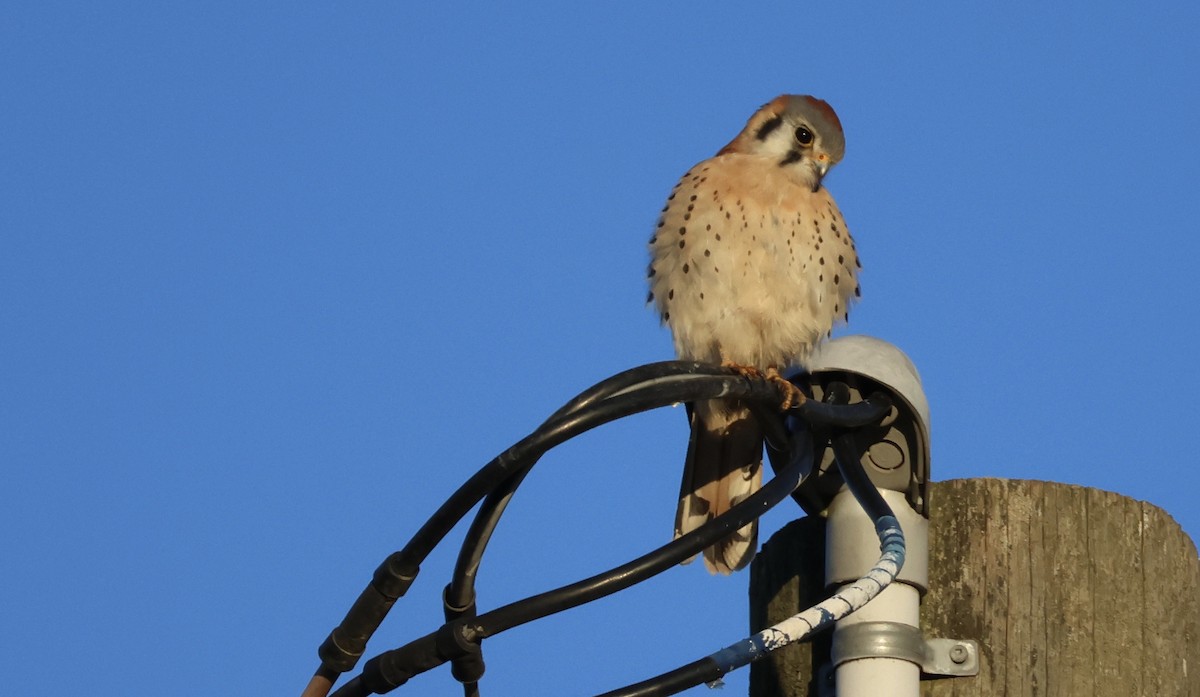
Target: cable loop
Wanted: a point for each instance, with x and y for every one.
(633, 391)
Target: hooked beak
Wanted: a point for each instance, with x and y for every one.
(821, 164)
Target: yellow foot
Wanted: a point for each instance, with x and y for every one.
(746, 371)
(792, 396)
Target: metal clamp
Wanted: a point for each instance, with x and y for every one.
(937, 657)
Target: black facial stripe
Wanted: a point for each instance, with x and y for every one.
(768, 126)
(792, 156)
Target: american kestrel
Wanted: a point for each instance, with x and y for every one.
(751, 265)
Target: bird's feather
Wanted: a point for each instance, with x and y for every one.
(722, 468)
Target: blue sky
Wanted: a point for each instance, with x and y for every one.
(276, 278)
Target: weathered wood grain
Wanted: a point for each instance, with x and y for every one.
(1070, 592)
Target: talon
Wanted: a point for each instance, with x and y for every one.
(746, 371)
(792, 394)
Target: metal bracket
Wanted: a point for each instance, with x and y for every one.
(938, 658)
(950, 658)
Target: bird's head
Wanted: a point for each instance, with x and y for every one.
(799, 132)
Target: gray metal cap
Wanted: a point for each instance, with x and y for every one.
(877, 360)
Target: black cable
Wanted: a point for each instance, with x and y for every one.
(711, 668)
(849, 461)
(627, 379)
(873, 412)
(573, 422)
(645, 566)
(346, 643)
(633, 391)
(458, 599)
(459, 596)
(486, 520)
(461, 589)
(392, 668)
(857, 480)
(695, 673)
(484, 524)
(845, 415)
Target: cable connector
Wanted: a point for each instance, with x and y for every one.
(457, 643)
(346, 643)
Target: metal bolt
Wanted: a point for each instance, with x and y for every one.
(959, 653)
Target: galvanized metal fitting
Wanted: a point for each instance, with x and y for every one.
(936, 657)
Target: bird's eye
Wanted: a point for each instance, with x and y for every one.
(804, 136)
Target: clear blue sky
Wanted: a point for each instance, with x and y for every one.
(277, 277)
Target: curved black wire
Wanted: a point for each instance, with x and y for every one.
(460, 593)
(630, 392)
(634, 376)
(573, 420)
(391, 669)
(345, 644)
(849, 463)
(459, 596)
(645, 566)
(698, 672)
(848, 459)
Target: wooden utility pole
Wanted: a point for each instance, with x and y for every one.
(1069, 591)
